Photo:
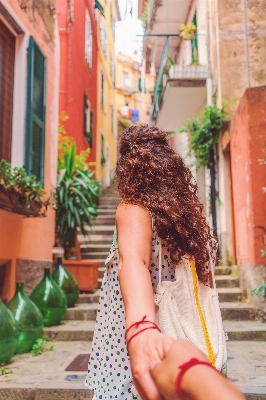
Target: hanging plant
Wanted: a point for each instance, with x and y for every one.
(204, 133)
(187, 32)
(21, 193)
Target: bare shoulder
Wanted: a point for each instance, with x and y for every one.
(132, 214)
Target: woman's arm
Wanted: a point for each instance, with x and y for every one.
(134, 246)
(199, 382)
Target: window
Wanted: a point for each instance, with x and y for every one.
(126, 79)
(103, 36)
(88, 41)
(112, 69)
(112, 21)
(194, 44)
(88, 121)
(112, 120)
(102, 90)
(102, 149)
(35, 119)
(7, 59)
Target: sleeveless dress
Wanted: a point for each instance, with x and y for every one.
(109, 372)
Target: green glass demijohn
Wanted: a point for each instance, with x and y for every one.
(28, 319)
(50, 300)
(67, 282)
(8, 334)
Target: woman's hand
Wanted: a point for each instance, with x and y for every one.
(146, 348)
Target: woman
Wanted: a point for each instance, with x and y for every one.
(158, 199)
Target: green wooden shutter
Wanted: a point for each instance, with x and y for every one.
(194, 43)
(35, 120)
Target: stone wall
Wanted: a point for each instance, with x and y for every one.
(30, 272)
(41, 14)
(232, 47)
(250, 278)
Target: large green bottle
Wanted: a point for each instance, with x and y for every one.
(28, 319)
(67, 282)
(8, 334)
(50, 300)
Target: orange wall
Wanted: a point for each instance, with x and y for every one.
(248, 137)
(33, 238)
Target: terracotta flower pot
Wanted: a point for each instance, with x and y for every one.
(85, 272)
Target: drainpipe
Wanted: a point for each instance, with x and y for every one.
(246, 41)
(209, 77)
(213, 152)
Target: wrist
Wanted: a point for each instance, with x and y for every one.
(193, 378)
(138, 328)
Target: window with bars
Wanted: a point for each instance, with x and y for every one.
(88, 41)
(102, 90)
(194, 44)
(88, 121)
(35, 120)
(103, 36)
(7, 60)
(112, 69)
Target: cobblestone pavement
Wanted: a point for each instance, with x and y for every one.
(246, 369)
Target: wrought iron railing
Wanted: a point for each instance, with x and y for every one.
(158, 89)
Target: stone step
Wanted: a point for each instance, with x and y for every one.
(98, 239)
(109, 200)
(245, 330)
(82, 312)
(83, 330)
(71, 331)
(226, 281)
(92, 248)
(236, 311)
(229, 294)
(99, 255)
(98, 230)
(64, 392)
(108, 206)
(225, 270)
(101, 271)
(86, 298)
(105, 211)
(49, 391)
(104, 221)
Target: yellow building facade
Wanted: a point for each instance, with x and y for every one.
(107, 15)
(134, 92)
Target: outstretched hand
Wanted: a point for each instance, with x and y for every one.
(147, 348)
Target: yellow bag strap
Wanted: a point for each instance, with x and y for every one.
(201, 315)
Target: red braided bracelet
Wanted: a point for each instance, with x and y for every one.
(142, 330)
(184, 367)
(154, 326)
(141, 322)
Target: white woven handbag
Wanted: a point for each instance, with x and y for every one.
(188, 309)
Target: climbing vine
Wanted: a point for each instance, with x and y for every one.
(204, 133)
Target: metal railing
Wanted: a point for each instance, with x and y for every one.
(158, 89)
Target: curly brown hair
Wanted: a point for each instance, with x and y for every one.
(151, 174)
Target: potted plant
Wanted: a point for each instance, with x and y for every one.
(21, 193)
(75, 195)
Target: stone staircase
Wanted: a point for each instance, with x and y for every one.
(247, 338)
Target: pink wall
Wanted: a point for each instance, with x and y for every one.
(248, 137)
(75, 76)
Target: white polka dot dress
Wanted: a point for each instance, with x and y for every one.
(109, 373)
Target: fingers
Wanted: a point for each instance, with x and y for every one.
(146, 386)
